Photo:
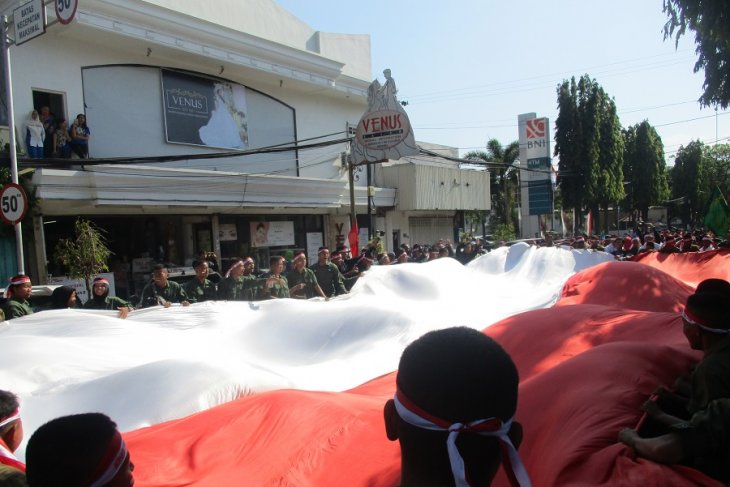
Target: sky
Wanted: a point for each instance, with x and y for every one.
(468, 68)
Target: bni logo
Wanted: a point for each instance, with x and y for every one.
(536, 128)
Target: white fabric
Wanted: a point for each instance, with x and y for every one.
(161, 364)
(457, 463)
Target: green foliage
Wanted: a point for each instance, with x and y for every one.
(503, 179)
(503, 232)
(86, 254)
(589, 144)
(644, 168)
(709, 19)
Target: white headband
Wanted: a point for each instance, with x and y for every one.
(486, 427)
(692, 319)
(11, 418)
(111, 462)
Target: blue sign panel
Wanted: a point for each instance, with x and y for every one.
(540, 197)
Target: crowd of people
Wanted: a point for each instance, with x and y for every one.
(49, 137)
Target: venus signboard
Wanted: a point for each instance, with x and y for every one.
(384, 131)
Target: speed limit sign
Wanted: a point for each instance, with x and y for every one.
(65, 10)
(13, 203)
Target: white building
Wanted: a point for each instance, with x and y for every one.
(175, 82)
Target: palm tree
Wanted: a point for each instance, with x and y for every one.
(503, 179)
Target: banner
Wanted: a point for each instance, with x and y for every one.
(203, 111)
(272, 234)
(718, 215)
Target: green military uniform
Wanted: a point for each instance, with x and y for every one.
(706, 439)
(173, 293)
(272, 290)
(109, 303)
(242, 288)
(329, 278)
(306, 277)
(200, 291)
(711, 378)
(15, 308)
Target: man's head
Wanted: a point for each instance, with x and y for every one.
(448, 377)
(100, 287)
(11, 426)
(299, 261)
(323, 255)
(201, 269)
(706, 317)
(276, 264)
(78, 451)
(159, 275)
(20, 287)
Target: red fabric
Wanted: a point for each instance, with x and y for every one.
(692, 267)
(586, 365)
(354, 236)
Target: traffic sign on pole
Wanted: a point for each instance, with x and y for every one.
(66, 10)
(13, 203)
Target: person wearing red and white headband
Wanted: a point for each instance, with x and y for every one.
(11, 430)
(302, 281)
(83, 450)
(240, 283)
(697, 431)
(453, 411)
(17, 293)
(100, 298)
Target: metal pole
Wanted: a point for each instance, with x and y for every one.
(371, 230)
(11, 135)
(353, 214)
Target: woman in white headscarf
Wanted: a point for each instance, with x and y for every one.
(35, 135)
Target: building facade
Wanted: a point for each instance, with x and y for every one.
(210, 122)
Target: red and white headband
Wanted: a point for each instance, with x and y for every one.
(14, 281)
(693, 319)
(300, 255)
(110, 463)
(415, 416)
(9, 419)
(101, 280)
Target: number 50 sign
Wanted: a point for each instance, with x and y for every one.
(13, 203)
(65, 10)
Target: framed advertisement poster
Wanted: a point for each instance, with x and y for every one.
(272, 234)
(204, 111)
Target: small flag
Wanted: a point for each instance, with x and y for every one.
(353, 237)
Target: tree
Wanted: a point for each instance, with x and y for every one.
(687, 180)
(716, 173)
(86, 254)
(589, 145)
(709, 19)
(503, 178)
(644, 168)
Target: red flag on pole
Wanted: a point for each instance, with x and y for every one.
(353, 238)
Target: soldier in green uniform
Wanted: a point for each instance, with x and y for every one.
(101, 300)
(328, 275)
(200, 288)
(275, 285)
(302, 281)
(162, 291)
(240, 283)
(17, 294)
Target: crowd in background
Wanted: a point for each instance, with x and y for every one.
(47, 136)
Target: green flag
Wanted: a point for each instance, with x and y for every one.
(718, 215)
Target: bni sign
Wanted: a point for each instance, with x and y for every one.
(29, 20)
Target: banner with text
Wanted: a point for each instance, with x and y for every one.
(203, 111)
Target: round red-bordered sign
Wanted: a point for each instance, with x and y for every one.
(13, 203)
(66, 10)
